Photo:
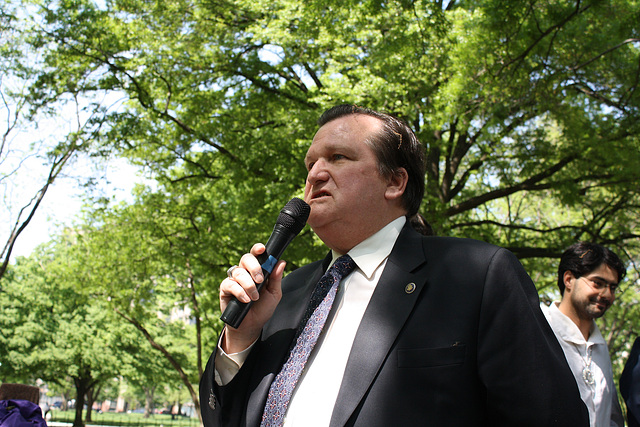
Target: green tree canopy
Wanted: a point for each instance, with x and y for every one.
(52, 330)
(516, 102)
(529, 113)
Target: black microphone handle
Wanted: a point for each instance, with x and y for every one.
(236, 311)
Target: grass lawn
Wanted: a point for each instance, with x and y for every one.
(126, 419)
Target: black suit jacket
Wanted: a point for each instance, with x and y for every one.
(630, 385)
(453, 336)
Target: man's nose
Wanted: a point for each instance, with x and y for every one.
(318, 172)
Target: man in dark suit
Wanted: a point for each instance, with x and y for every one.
(630, 385)
(425, 331)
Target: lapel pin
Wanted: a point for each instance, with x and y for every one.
(410, 288)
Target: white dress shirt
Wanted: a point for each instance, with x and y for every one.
(600, 397)
(324, 370)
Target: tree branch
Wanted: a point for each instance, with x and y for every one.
(528, 184)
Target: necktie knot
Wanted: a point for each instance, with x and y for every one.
(340, 268)
(344, 265)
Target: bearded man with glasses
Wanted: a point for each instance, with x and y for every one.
(588, 277)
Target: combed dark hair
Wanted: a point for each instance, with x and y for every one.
(582, 258)
(395, 147)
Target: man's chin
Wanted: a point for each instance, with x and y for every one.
(598, 311)
(320, 214)
(315, 224)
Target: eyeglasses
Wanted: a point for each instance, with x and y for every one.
(600, 285)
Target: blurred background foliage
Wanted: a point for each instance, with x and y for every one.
(529, 112)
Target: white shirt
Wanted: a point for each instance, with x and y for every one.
(324, 370)
(600, 397)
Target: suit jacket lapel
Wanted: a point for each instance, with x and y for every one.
(391, 303)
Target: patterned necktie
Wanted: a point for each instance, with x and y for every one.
(312, 323)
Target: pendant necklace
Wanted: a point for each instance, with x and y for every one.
(587, 373)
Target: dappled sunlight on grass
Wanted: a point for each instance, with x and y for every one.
(127, 419)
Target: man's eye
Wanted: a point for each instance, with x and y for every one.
(310, 166)
(339, 156)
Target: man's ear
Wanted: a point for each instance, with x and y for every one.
(396, 184)
(569, 279)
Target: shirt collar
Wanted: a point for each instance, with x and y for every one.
(371, 252)
(568, 330)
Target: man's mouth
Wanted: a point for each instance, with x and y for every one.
(603, 305)
(319, 195)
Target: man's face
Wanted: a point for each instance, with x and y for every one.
(591, 295)
(344, 187)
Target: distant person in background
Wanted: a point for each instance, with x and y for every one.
(588, 277)
(46, 411)
(630, 385)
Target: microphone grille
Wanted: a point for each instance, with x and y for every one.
(294, 214)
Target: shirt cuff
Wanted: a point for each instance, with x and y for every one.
(228, 365)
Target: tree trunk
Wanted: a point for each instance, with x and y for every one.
(82, 387)
(92, 395)
(148, 400)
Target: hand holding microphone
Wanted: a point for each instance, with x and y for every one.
(291, 221)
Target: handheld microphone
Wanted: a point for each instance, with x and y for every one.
(291, 221)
